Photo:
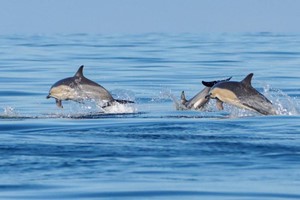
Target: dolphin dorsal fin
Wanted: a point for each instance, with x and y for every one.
(79, 72)
(247, 79)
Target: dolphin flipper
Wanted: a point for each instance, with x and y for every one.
(58, 103)
(219, 104)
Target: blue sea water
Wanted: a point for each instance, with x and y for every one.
(148, 150)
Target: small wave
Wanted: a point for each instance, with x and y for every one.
(36, 191)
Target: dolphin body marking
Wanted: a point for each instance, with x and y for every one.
(242, 95)
(79, 88)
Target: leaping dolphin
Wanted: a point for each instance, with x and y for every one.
(242, 95)
(79, 88)
(199, 100)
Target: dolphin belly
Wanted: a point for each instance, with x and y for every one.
(63, 92)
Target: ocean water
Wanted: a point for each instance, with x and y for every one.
(148, 150)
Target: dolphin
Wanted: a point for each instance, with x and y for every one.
(199, 100)
(78, 88)
(242, 95)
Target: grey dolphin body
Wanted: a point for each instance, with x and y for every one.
(199, 100)
(242, 95)
(79, 88)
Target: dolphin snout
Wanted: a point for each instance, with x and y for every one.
(48, 97)
(207, 96)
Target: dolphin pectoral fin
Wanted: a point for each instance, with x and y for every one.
(183, 99)
(219, 104)
(58, 103)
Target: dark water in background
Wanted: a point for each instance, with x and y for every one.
(149, 150)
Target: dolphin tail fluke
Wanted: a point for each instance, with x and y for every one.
(183, 99)
(212, 83)
(121, 101)
(209, 84)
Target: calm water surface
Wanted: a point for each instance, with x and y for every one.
(148, 150)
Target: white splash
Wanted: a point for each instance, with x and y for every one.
(9, 111)
(120, 108)
(284, 104)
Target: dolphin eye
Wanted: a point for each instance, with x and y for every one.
(208, 96)
(211, 95)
